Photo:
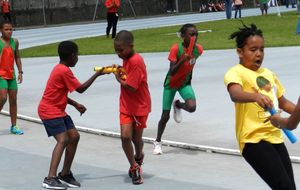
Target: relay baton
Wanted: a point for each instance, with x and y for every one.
(287, 132)
(110, 69)
(191, 45)
(106, 69)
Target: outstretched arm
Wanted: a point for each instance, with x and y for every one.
(89, 82)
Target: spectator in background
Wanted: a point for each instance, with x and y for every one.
(264, 7)
(287, 3)
(228, 7)
(5, 10)
(112, 7)
(170, 6)
(238, 7)
(220, 6)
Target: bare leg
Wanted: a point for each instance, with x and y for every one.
(138, 141)
(189, 105)
(71, 148)
(165, 116)
(12, 94)
(126, 137)
(61, 143)
(3, 97)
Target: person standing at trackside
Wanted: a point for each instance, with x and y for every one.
(228, 8)
(9, 51)
(170, 6)
(238, 7)
(264, 6)
(112, 16)
(5, 8)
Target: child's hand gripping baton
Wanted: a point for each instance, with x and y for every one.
(191, 45)
(287, 132)
(110, 69)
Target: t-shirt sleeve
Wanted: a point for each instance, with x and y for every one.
(280, 89)
(232, 76)
(173, 53)
(71, 82)
(134, 76)
(200, 49)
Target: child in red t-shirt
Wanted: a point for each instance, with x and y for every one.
(135, 103)
(56, 121)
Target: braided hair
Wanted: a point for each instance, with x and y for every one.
(244, 33)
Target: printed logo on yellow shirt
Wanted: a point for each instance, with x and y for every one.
(266, 88)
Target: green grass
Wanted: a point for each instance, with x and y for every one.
(278, 31)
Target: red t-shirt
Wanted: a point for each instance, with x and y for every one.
(137, 103)
(186, 68)
(113, 9)
(7, 60)
(54, 100)
(5, 6)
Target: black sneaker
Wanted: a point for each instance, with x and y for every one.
(136, 173)
(69, 180)
(53, 183)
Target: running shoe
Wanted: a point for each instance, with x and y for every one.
(157, 148)
(176, 112)
(140, 162)
(69, 180)
(53, 183)
(14, 129)
(136, 173)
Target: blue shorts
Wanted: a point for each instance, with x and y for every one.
(58, 125)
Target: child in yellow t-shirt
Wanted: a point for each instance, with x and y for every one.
(253, 90)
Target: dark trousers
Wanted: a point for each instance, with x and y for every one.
(238, 9)
(272, 163)
(228, 8)
(6, 16)
(112, 20)
(170, 5)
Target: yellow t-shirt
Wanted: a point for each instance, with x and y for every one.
(250, 117)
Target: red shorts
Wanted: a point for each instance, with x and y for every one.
(137, 121)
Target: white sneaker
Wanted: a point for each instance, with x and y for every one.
(176, 112)
(157, 148)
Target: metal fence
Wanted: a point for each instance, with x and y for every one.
(43, 12)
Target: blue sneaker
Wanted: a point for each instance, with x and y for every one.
(16, 130)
